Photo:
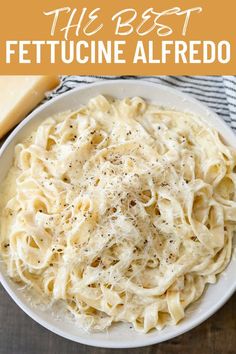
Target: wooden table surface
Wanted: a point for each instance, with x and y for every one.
(19, 334)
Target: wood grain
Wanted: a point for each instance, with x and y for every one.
(19, 334)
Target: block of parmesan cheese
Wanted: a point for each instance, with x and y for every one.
(19, 95)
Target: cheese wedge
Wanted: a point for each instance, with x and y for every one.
(19, 95)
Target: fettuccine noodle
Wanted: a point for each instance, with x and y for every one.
(121, 210)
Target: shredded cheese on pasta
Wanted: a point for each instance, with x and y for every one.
(122, 210)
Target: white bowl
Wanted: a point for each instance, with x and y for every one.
(120, 335)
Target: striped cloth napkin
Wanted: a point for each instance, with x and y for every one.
(218, 92)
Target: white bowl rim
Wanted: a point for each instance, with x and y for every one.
(104, 343)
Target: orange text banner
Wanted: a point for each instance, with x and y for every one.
(118, 37)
